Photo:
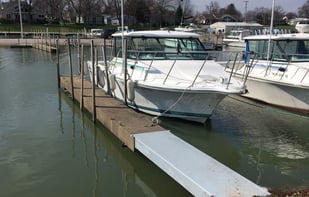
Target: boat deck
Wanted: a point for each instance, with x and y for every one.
(194, 170)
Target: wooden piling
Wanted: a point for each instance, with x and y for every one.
(125, 73)
(71, 68)
(58, 64)
(81, 106)
(106, 68)
(94, 113)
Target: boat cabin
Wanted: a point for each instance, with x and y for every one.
(239, 34)
(285, 48)
(160, 45)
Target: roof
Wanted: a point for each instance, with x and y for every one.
(158, 33)
(235, 24)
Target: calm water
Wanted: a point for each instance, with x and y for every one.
(49, 148)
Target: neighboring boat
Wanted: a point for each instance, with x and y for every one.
(280, 77)
(169, 73)
(188, 28)
(236, 38)
(302, 26)
(193, 28)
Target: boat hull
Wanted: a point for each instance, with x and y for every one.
(177, 103)
(289, 97)
(234, 43)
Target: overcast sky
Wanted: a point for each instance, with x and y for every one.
(287, 5)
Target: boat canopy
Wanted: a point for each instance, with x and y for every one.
(286, 48)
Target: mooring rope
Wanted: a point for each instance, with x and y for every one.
(155, 119)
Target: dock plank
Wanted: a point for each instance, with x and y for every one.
(194, 170)
(121, 120)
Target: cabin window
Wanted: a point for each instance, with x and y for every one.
(281, 50)
(118, 47)
(302, 51)
(259, 47)
(165, 48)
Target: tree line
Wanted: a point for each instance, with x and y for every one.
(156, 12)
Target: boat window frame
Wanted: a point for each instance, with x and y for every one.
(280, 50)
(155, 48)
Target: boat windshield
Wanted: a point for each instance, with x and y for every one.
(148, 48)
(233, 34)
(281, 50)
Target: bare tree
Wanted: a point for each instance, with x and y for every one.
(113, 8)
(304, 10)
(263, 15)
(279, 14)
(231, 10)
(212, 12)
(213, 8)
(163, 7)
(54, 9)
(86, 8)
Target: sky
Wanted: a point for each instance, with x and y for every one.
(287, 5)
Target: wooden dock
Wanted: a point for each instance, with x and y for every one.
(194, 170)
(122, 121)
(45, 47)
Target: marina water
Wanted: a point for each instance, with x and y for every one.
(48, 147)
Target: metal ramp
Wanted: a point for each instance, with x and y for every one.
(194, 170)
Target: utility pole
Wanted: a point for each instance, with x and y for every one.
(246, 8)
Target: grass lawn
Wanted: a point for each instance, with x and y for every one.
(47, 27)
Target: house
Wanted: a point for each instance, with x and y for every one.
(10, 13)
(128, 20)
(106, 20)
(228, 18)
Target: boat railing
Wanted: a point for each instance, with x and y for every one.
(204, 56)
(174, 56)
(291, 63)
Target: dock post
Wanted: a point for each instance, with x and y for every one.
(96, 65)
(78, 53)
(94, 114)
(125, 73)
(58, 67)
(71, 69)
(81, 104)
(49, 38)
(106, 67)
(46, 41)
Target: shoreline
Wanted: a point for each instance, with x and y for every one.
(14, 42)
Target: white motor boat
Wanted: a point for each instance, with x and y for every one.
(164, 73)
(277, 69)
(236, 37)
(302, 26)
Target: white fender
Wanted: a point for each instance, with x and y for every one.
(101, 78)
(112, 82)
(130, 90)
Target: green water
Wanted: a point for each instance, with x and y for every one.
(49, 148)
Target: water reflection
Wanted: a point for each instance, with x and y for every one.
(138, 175)
(266, 145)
